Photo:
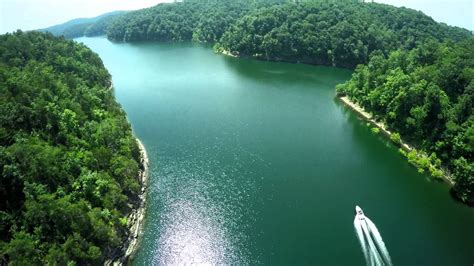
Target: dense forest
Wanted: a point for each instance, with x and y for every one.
(178, 22)
(342, 33)
(68, 159)
(426, 95)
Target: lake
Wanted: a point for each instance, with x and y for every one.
(256, 162)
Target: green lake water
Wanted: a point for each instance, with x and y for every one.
(255, 162)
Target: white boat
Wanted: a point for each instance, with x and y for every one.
(359, 213)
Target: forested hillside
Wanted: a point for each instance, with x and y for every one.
(427, 96)
(339, 33)
(79, 27)
(68, 159)
(204, 22)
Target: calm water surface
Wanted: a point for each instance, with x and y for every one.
(256, 163)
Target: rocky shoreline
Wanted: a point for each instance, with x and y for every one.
(136, 217)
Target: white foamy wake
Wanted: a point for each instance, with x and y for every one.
(360, 235)
(373, 247)
(379, 242)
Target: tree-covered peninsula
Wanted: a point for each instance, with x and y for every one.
(68, 159)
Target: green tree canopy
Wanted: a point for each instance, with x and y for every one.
(68, 160)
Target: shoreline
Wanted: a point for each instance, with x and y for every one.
(136, 217)
(260, 57)
(403, 145)
(367, 116)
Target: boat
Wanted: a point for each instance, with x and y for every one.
(359, 213)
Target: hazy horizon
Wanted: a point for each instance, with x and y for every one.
(31, 14)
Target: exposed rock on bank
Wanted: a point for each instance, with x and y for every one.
(136, 217)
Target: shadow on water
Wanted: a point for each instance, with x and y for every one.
(363, 133)
(286, 72)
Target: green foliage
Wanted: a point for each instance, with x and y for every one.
(193, 20)
(75, 31)
(100, 27)
(419, 160)
(23, 247)
(335, 33)
(375, 130)
(464, 174)
(68, 160)
(123, 221)
(340, 90)
(427, 96)
(395, 137)
(403, 152)
(435, 172)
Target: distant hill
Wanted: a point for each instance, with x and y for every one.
(83, 26)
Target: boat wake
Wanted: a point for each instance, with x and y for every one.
(373, 247)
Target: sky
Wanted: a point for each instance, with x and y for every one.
(36, 14)
(452, 12)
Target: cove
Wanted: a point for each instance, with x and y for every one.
(256, 162)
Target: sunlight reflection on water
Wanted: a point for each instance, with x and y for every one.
(200, 210)
(192, 237)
